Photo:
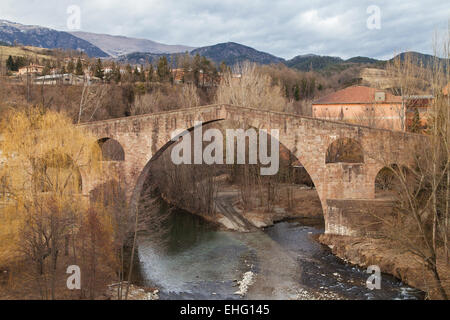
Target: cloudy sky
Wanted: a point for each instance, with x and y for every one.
(285, 28)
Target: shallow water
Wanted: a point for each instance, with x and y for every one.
(196, 261)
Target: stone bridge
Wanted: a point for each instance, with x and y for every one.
(343, 188)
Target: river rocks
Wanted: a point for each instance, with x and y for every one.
(245, 283)
(366, 251)
(303, 294)
(230, 224)
(258, 219)
(134, 293)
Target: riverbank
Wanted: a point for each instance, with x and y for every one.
(134, 292)
(391, 260)
(285, 258)
(231, 214)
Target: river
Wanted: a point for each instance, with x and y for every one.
(196, 260)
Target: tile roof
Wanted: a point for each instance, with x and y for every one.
(356, 94)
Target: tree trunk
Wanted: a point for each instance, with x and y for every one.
(130, 269)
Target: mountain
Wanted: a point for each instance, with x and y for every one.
(230, 52)
(329, 64)
(312, 61)
(117, 46)
(141, 51)
(233, 53)
(360, 59)
(141, 57)
(421, 58)
(11, 32)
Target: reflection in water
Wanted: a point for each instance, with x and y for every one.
(187, 230)
(193, 260)
(197, 261)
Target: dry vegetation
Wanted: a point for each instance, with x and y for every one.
(252, 89)
(32, 53)
(127, 91)
(420, 224)
(42, 229)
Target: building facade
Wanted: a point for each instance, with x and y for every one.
(363, 105)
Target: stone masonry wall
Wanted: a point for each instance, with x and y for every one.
(307, 138)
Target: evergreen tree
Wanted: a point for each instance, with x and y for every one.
(117, 74)
(136, 74)
(70, 67)
(151, 72)
(10, 65)
(296, 92)
(142, 74)
(20, 62)
(98, 70)
(14, 63)
(312, 87)
(47, 69)
(304, 87)
(163, 69)
(129, 70)
(79, 68)
(196, 68)
(114, 75)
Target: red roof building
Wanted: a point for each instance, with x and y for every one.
(364, 106)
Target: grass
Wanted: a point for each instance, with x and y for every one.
(31, 52)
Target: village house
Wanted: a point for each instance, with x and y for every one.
(30, 69)
(54, 79)
(362, 105)
(66, 79)
(178, 75)
(110, 70)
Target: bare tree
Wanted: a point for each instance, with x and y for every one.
(420, 220)
(247, 87)
(189, 96)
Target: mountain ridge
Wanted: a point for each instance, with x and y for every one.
(136, 50)
(232, 53)
(37, 36)
(117, 45)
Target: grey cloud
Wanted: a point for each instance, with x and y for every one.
(285, 28)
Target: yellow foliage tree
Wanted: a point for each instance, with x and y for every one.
(42, 155)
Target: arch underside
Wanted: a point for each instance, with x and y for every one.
(134, 199)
